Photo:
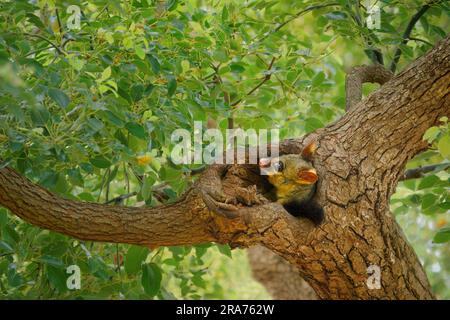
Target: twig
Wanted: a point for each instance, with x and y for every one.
(37, 51)
(102, 185)
(264, 80)
(119, 199)
(419, 172)
(375, 73)
(421, 40)
(283, 85)
(61, 29)
(407, 33)
(226, 95)
(298, 14)
(46, 40)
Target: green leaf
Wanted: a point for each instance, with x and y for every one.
(140, 53)
(410, 184)
(428, 182)
(318, 79)
(95, 124)
(224, 249)
(59, 97)
(442, 236)
(52, 261)
(220, 55)
(313, 124)
(14, 278)
(171, 5)
(57, 277)
(136, 130)
(100, 162)
(171, 86)
(5, 246)
(444, 146)
(113, 118)
(134, 258)
(431, 134)
(146, 189)
(428, 200)
(225, 14)
(36, 21)
(185, 65)
(137, 91)
(3, 217)
(401, 210)
(86, 197)
(156, 67)
(151, 279)
(237, 68)
(16, 111)
(105, 74)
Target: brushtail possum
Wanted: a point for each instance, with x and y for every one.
(294, 180)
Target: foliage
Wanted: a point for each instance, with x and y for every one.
(88, 114)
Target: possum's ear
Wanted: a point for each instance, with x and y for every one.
(309, 150)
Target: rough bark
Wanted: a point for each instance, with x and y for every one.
(359, 160)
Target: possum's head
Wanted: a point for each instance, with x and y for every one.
(291, 168)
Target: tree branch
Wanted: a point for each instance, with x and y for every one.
(264, 80)
(58, 49)
(119, 199)
(101, 222)
(407, 33)
(357, 76)
(421, 40)
(185, 222)
(419, 172)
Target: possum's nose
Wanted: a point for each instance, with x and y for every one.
(264, 162)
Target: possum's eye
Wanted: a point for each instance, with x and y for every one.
(278, 166)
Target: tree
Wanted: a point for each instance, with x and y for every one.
(360, 159)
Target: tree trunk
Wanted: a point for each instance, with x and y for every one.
(280, 278)
(359, 161)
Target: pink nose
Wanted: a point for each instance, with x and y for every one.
(264, 162)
